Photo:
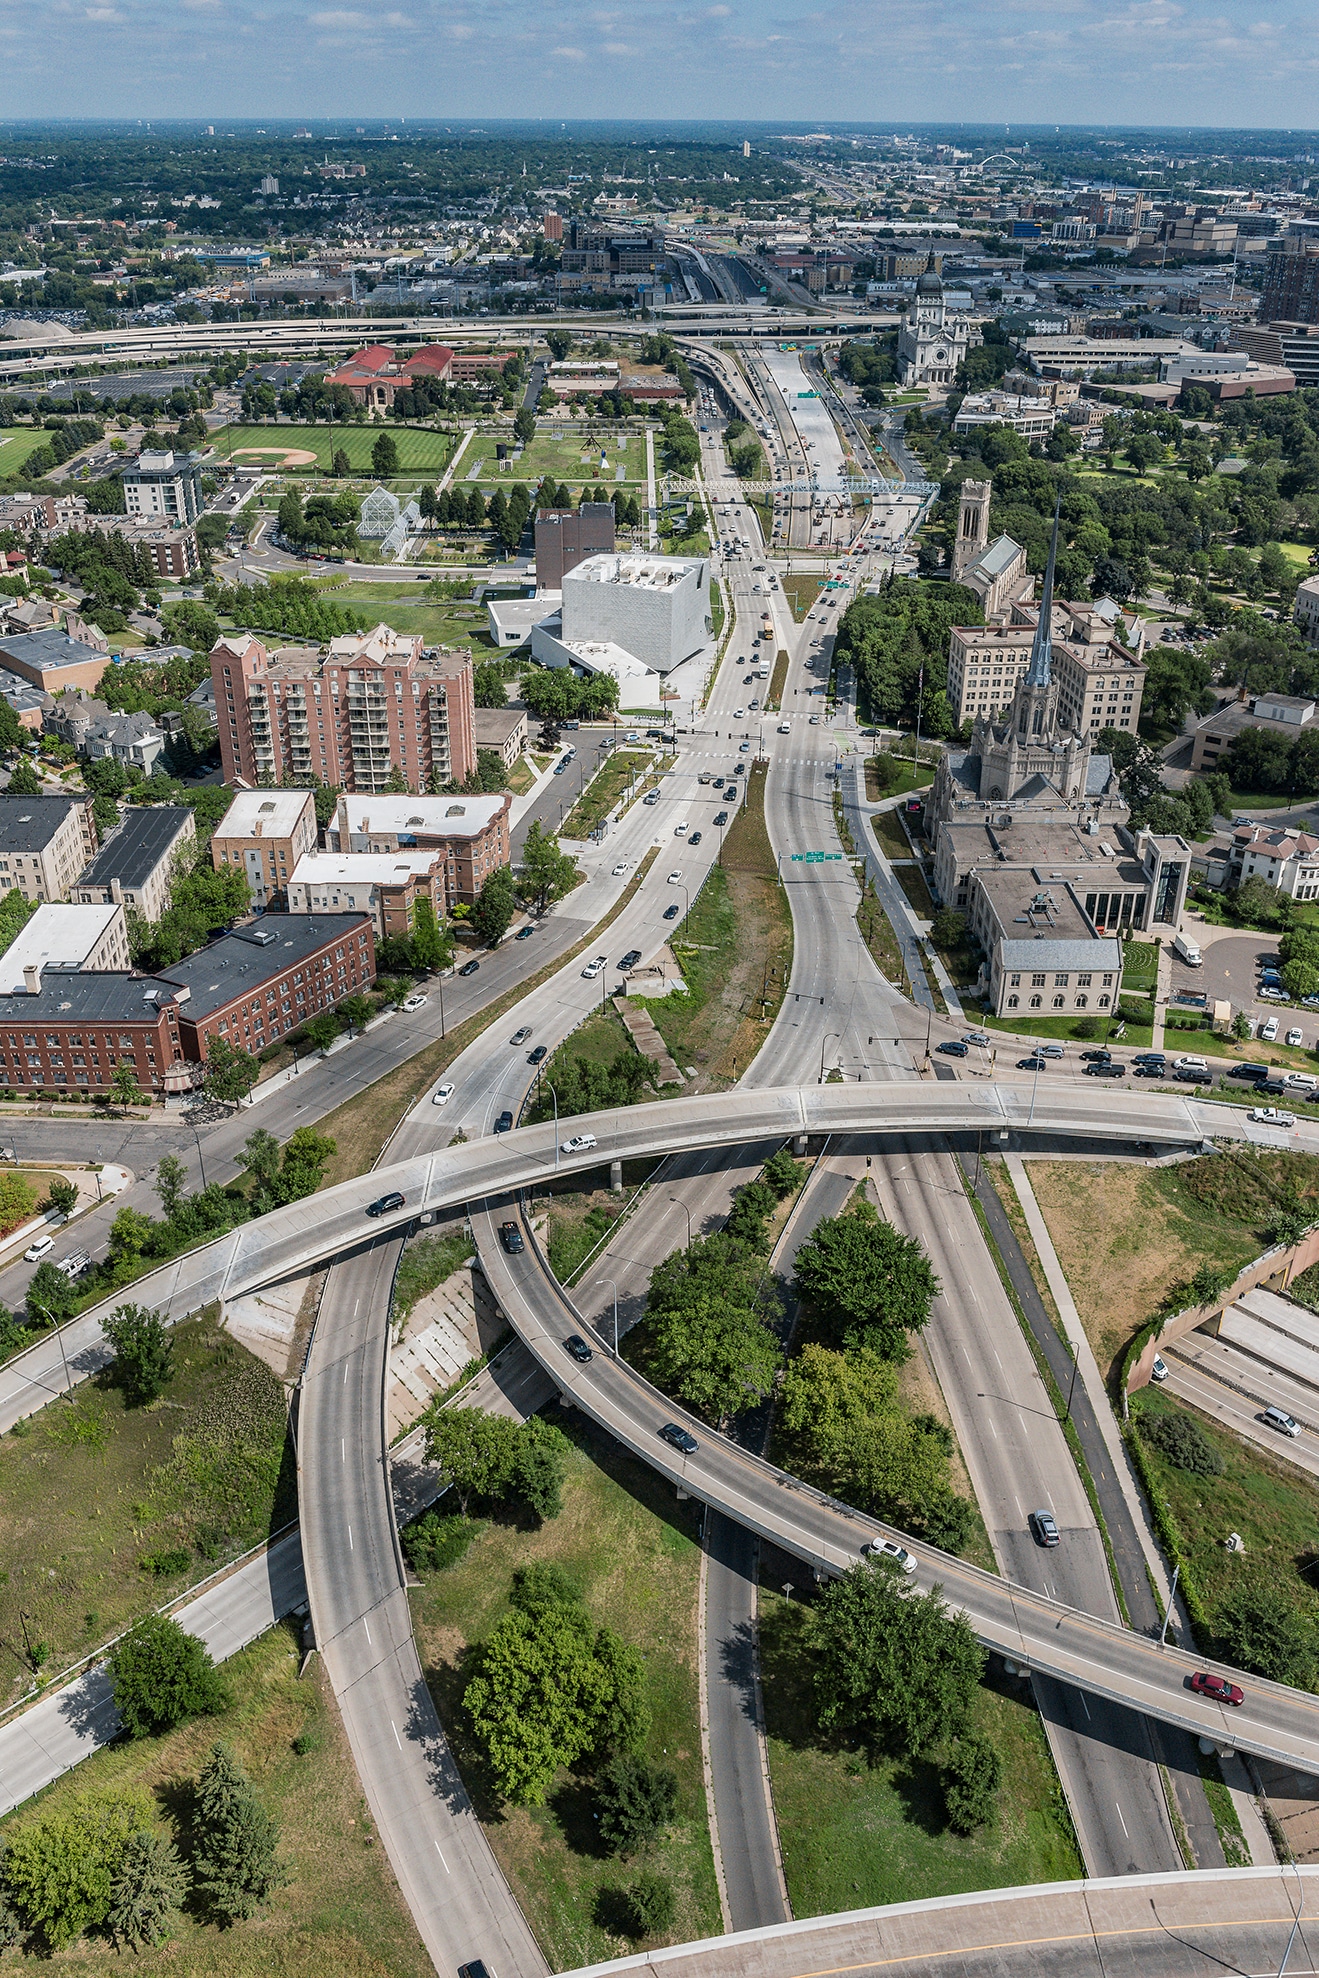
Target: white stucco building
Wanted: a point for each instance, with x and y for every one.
(635, 616)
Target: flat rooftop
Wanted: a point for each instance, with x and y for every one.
(361, 868)
(94, 997)
(263, 814)
(642, 573)
(405, 817)
(240, 962)
(132, 852)
(58, 936)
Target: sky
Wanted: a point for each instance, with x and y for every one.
(1252, 63)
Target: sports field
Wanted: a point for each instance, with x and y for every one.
(419, 451)
(16, 443)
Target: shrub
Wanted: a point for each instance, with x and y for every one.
(970, 1776)
(650, 1906)
(172, 1559)
(434, 1542)
(1181, 1440)
(634, 1800)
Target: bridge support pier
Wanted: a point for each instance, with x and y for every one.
(799, 1146)
(616, 1177)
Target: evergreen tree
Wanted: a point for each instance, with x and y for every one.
(236, 1840)
(384, 457)
(149, 1890)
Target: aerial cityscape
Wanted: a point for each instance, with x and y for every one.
(659, 994)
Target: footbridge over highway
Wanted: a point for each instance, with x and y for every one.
(1035, 1631)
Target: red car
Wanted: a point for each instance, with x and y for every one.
(1217, 1687)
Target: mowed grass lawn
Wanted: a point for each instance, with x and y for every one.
(857, 1833)
(419, 451)
(17, 443)
(631, 1549)
(563, 457)
(446, 624)
(339, 1911)
(90, 1491)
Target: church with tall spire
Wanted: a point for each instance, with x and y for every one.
(1028, 753)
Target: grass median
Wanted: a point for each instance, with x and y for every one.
(107, 1510)
(633, 1554)
(861, 1829)
(604, 790)
(338, 1909)
(362, 1125)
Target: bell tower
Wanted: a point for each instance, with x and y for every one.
(972, 526)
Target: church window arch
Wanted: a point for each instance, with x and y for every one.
(1035, 1002)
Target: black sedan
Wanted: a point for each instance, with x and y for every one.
(1100, 1057)
(1029, 1064)
(504, 1124)
(1189, 1076)
(694, 838)
(537, 1056)
(1150, 1071)
(674, 1432)
(671, 913)
(578, 1347)
(469, 968)
(511, 1238)
(721, 817)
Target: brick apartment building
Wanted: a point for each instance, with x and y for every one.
(70, 1029)
(468, 836)
(266, 832)
(349, 714)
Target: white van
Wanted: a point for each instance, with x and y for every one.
(1278, 1418)
(1188, 951)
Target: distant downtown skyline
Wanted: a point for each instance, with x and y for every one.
(1225, 63)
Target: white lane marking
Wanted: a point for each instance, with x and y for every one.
(1124, 1824)
(343, 1449)
(1084, 1705)
(993, 1431)
(397, 1739)
(345, 1373)
(368, 1630)
(350, 1538)
(440, 1851)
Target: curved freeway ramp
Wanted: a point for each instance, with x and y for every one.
(1223, 1921)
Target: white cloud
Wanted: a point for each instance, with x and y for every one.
(569, 54)
(339, 17)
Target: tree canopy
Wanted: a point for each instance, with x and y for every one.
(870, 1284)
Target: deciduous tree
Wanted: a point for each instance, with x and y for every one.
(143, 1350)
(871, 1284)
(161, 1676)
(892, 1663)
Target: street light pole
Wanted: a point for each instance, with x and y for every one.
(687, 1212)
(1163, 1634)
(829, 1035)
(200, 1162)
(1071, 1386)
(610, 1281)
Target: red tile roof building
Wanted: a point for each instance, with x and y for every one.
(376, 373)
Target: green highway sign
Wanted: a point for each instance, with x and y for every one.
(812, 858)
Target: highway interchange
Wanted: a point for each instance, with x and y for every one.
(840, 1010)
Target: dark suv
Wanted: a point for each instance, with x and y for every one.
(384, 1203)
